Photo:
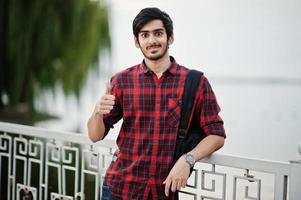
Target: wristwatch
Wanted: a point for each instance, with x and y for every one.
(189, 158)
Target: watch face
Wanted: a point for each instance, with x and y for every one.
(190, 159)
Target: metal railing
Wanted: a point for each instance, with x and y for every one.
(37, 163)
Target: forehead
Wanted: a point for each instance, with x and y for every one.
(153, 25)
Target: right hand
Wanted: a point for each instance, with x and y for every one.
(106, 102)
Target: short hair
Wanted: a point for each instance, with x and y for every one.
(148, 14)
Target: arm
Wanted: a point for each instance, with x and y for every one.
(96, 126)
(179, 174)
(207, 146)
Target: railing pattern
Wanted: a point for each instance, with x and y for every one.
(41, 164)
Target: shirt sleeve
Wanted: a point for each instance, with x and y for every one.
(116, 113)
(210, 121)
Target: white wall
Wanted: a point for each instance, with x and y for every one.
(235, 37)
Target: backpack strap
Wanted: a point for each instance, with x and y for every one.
(191, 85)
(192, 82)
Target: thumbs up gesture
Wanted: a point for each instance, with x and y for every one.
(106, 102)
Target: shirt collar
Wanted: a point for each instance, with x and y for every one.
(172, 69)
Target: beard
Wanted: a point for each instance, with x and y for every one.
(157, 56)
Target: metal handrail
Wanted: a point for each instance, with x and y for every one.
(287, 174)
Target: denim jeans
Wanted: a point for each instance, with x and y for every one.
(107, 194)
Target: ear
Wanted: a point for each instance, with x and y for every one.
(136, 42)
(171, 39)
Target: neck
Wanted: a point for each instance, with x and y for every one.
(158, 66)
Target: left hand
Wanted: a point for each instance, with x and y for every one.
(178, 176)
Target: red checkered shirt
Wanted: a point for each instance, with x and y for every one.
(150, 109)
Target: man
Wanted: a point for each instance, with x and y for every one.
(147, 97)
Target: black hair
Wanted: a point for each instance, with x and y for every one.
(148, 14)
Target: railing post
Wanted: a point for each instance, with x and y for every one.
(295, 179)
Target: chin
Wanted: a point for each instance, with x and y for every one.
(155, 57)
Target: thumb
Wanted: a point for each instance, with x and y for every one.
(108, 87)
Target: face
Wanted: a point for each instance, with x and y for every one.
(152, 40)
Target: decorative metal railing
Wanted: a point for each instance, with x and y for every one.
(38, 163)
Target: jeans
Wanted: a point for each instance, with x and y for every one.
(107, 194)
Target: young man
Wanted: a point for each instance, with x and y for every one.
(148, 97)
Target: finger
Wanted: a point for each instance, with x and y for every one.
(106, 102)
(179, 185)
(184, 183)
(174, 185)
(167, 183)
(108, 97)
(105, 107)
(104, 112)
(108, 87)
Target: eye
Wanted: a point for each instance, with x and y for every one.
(158, 34)
(144, 35)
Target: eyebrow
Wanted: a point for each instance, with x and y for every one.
(155, 30)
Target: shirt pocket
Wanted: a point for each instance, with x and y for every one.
(174, 112)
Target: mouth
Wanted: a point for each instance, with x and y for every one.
(153, 47)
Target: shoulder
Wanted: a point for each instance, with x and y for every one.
(189, 68)
(204, 84)
(192, 72)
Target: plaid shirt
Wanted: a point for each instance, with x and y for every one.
(150, 109)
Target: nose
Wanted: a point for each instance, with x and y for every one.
(151, 39)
